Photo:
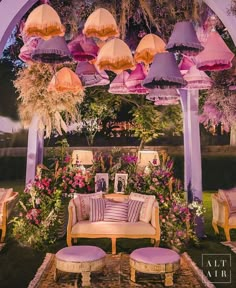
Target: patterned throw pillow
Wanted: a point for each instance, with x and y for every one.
(81, 202)
(134, 208)
(230, 197)
(116, 212)
(146, 210)
(97, 207)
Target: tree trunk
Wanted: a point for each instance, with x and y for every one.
(233, 135)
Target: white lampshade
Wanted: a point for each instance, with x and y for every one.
(83, 157)
(147, 157)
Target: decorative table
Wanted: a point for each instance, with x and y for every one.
(155, 260)
(80, 259)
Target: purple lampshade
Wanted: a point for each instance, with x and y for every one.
(54, 50)
(90, 76)
(118, 86)
(184, 39)
(134, 82)
(164, 96)
(164, 73)
(197, 79)
(83, 48)
(216, 56)
(185, 64)
(27, 49)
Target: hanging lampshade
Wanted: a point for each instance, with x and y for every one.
(216, 56)
(65, 80)
(101, 24)
(184, 39)
(134, 82)
(54, 50)
(118, 86)
(185, 64)
(148, 47)
(83, 48)
(164, 73)
(44, 22)
(165, 101)
(164, 96)
(27, 49)
(197, 79)
(115, 55)
(90, 76)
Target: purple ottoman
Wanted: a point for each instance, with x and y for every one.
(80, 259)
(155, 260)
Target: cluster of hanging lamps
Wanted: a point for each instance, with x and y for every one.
(43, 22)
(101, 24)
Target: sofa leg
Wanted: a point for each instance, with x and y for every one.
(113, 245)
(4, 230)
(227, 234)
(214, 225)
(157, 243)
(69, 240)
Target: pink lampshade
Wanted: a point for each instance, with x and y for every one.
(197, 79)
(90, 76)
(164, 73)
(83, 48)
(118, 86)
(184, 39)
(27, 49)
(185, 64)
(216, 56)
(134, 82)
(163, 96)
(54, 50)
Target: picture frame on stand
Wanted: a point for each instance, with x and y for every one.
(101, 182)
(120, 183)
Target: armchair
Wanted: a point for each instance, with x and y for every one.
(7, 202)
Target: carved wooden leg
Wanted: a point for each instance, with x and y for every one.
(215, 228)
(168, 279)
(113, 245)
(227, 234)
(4, 230)
(132, 274)
(69, 240)
(85, 279)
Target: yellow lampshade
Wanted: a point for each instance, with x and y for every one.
(82, 157)
(44, 22)
(101, 24)
(148, 47)
(148, 157)
(116, 56)
(65, 80)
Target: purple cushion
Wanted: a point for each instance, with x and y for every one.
(80, 253)
(153, 255)
(134, 210)
(97, 207)
(116, 211)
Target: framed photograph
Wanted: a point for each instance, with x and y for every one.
(120, 182)
(101, 182)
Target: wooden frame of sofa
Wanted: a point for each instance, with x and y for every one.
(224, 223)
(113, 237)
(7, 206)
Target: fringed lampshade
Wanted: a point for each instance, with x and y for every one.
(185, 64)
(134, 82)
(216, 56)
(116, 56)
(101, 24)
(148, 47)
(118, 86)
(65, 80)
(164, 73)
(90, 76)
(197, 79)
(54, 50)
(164, 96)
(27, 49)
(44, 22)
(83, 48)
(162, 101)
(184, 39)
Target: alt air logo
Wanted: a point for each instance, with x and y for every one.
(217, 267)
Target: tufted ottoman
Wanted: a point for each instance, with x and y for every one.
(80, 259)
(155, 261)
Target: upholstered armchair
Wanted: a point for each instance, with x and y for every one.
(7, 202)
(224, 211)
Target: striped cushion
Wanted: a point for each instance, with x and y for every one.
(134, 210)
(116, 211)
(97, 207)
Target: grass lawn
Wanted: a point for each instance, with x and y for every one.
(18, 264)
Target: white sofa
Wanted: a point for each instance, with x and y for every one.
(86, 229)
